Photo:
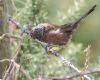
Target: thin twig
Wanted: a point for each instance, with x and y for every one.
(12, 66)
(7, 35)
(17, 50)
(76, 74)
(87, 51)
(4, 60)
(68, 63)
(12, 61)
(87, 59)
(8, 70)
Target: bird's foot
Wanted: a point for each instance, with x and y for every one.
(49, 49)
(64, 62)
(52, 48)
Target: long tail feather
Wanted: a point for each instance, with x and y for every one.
(85, 15)
(72, 26)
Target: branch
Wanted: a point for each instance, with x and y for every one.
(66, 62)
(76, 74)
(69, 64)
(18, 49)
(14, 65)
(4, 60)
(8, 70)
(7, 35)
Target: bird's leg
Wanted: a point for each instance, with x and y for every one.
(55, 48)
(50, 48)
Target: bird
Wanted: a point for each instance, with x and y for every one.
(57, 34)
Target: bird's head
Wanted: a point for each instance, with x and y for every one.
(37, 33)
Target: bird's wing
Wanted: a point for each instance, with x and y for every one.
(47, 27)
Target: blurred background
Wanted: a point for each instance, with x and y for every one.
(34, 58)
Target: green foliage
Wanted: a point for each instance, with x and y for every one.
(39, 14)
(23, 11)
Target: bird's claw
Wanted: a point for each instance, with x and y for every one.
(64, 62)
(49, 49)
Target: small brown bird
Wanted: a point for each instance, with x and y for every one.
(54, 34)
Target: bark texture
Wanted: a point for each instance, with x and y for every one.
(5, 51)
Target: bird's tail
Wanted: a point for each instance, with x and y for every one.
(72, 26)
(85, 15)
